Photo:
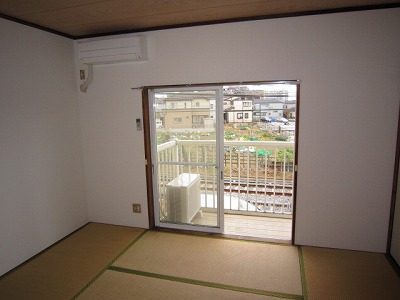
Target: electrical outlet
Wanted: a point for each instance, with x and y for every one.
(136, 208)
(82, 74)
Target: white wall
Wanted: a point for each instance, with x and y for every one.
(42, 195)
(349, 65)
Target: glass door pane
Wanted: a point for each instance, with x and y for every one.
(187, 170)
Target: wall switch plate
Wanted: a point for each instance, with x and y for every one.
(136, 208)
(138, 124)
(82, 74)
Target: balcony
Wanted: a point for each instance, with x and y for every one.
(257, 184)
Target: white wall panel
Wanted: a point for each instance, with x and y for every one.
(42, 189)
(349, 69)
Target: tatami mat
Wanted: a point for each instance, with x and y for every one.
(343, 274)
(121, 286)
(251, 265)
(62, 270)
(113, 262)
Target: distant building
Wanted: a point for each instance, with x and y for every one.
(275, 105)
(185, 110)
(271, 108)
(289, 109)
(238, 109)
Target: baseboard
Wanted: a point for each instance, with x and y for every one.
(393, 263)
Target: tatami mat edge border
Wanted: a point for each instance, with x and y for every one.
(108, 265)
(207, 283)
(228, 237)
(302, 274)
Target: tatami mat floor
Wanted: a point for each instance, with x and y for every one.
(112, 262)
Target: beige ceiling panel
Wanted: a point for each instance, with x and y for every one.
(100, 11)
(21, 8)
(122, 9)
(86, 17)
(158, 18)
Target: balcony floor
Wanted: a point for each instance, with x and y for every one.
(251, 226)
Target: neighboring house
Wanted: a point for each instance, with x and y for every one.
(186, 112)
(159, 107)
(289, 109)
(238, 110)
(272, 108)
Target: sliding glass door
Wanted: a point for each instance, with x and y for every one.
(187, 138)
(224, 158)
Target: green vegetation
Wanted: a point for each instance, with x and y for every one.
(250, 133)
(289, 152)
(163, 137)
(231, 133)
(281, 138)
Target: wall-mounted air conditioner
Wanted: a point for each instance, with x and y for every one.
(183, 198)
(108, 51)
(112, 50)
